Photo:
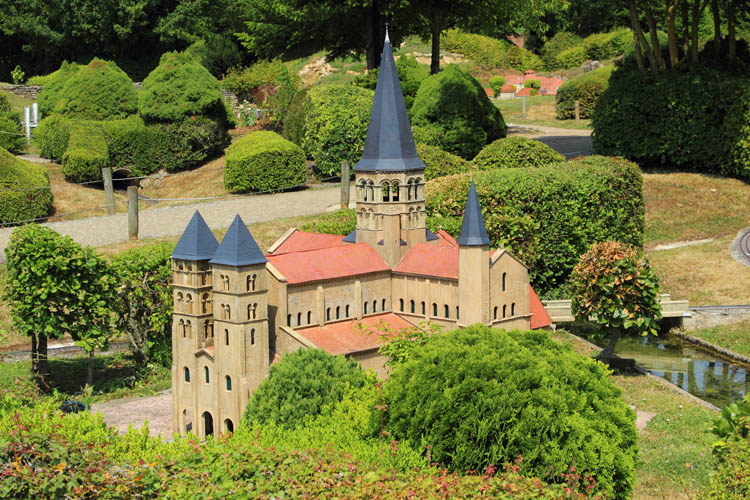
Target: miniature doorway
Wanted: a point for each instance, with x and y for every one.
(208, 424)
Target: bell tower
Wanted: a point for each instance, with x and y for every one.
(390, 197)
(473, 264)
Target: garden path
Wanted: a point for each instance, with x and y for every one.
(569, 142)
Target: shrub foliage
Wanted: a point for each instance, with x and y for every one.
(489, 396)
(86, 154)
(25, 193)
(516, 152)
(264, 161)
(12, 135)
(562, 40)
(585, 88)
(489, 53)
(439, 163)
(53, 83)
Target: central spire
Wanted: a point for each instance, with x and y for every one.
(390, 143)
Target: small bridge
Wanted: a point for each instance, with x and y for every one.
(560, 310)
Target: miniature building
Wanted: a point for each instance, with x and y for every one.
(507, 91)
(237, 309)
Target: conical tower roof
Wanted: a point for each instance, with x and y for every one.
(390, 143)
(197, 241)
(238, 248)
(473, 232)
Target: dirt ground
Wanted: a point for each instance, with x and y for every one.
(156, 410)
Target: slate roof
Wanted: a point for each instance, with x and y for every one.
(328, 263)
(344, 337)
(473, 232)
(238, 248)
(390, 143)
(197, 241)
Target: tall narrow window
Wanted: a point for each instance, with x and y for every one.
(181, 328)
(338, 312)
(187, 374)
(328, 314)
(251, 282)
(229, 312)
(205, 372)
(225, 281)
(363, 189)
(189, 328)
(180, 306)
(189, 303)
(505, 309)
(395, 191)
(226, 337)
(288, 320)
(408, 189)
(412, 307)
(228, 380)
(401, 305)
(434, 309)
(309, 317)
(374, 306)
(424, 310)
(252, 336)
(299, 319)
(457, 312)
(447, 311)
(382, 305)
(205, 329)
(371, 190)
(364, 306)
(204, 303)
(346, 313)
(513, 309)
(228, 425)
(504, 277)
(494, 313)
(386, 191)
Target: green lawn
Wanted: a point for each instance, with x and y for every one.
(540, 110)
(735, 336)
(16, 102)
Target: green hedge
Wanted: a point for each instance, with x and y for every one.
(548, 216)
(558, 43)
(52, 136)
(24, 189)
(52, 91)
(601, 46)
(12, 135)
(489, 53)
(4, 104)
(426, 135)
(571, 58)
(586, 88)
(440, 163)
(455, 106)
(294, 120)
(87, 153)
(496, 84)
(516, 152)
(697, 120)
(263, 161)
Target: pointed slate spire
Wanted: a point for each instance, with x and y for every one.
(197, 241)
(238, 248)
(473, 232)
(390, 143)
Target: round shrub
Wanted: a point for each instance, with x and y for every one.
(336, 120)
(516, 152)
(439, 163)
(52, 136)
(263, 161)
(455, 106)
(53, 83)
(186, 143)
(488, 396)
(86, 154)
(558, 43)
(98, 91)
(532, 84)
(608, 45)
(12, 136)
(585, 88)
(25, 192)
(571, 58)
(301, 385)
(178, 88)
(496, 84)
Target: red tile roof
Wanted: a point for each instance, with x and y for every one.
(328, 263)
(525, 92)
(507, 88)
(302, 241)
(438, 259)
(345, 337)
(514, 79)
(489, 92)
(539, 316)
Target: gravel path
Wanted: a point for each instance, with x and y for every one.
(569, 142)
(156, 410)
(169, 221)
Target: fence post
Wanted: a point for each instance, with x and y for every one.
(35, 114)
(133, 212)
(578, 110)
(109, 191)
(523, 107)
(345, 184)
(27, 122)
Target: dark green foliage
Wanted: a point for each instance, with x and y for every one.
(697, 121)
(143, 303)
(516, 152)
(132, 145)
(301, 385)
(532, 84)
(340, 222)
(294, 120)
(336, 120)
(558, 43)
(188, 143)
(24, 189)
(454, 105)
(586, 88)
(52, 91)
(731, 480)
(601, 46)
(487, 396)
(98, 91)
(571, 58)
(439, 163)
(411, 74)
(496, 84)
(12, 136)
(52, 136)
(263, 161)
(87, 153)
(429, 136)
(489, 53)
(178, 88)
(4, 104)
(217, 55)
(548, 216)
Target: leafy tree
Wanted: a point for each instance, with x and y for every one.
(614, 284)
(301, 385)
(56, 288)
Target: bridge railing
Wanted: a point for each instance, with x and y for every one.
(560, 310)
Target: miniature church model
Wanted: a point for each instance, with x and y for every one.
(236, 309)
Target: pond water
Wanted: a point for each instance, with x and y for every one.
(703, 374)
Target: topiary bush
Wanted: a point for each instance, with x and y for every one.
(488, 396)
(548, 216)
(455, 106)
(585, 88)
(25, 190)
(496, 84)
(439, 163)
(336, 120)
(263, 161)
(301, 385)
(558, 43)
(411, 74)
(52, 136)
(4, 104)
(426, 135)
(571, 58)
(516, 152)
(187, 143)
(86, 153)
(98, 91)
(52, 91)
(12, 135)
(697, 120)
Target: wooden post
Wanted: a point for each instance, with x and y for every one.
(133, 212)
(578, 110)
(109, 191)
(523, 107)
(345, 184)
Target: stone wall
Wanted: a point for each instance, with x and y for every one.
(26, 91)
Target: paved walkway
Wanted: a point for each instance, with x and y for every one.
(570, 142)
(170, 221)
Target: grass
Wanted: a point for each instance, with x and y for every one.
(72, 201)
(540, 110)
(735, 336)
(17, 102)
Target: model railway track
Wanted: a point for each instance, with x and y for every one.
(734, 308)
(744, 245)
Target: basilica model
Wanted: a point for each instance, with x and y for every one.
(236, 309)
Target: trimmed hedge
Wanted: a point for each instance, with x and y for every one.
(87, 153)
(571, 58)
(586, 88)
(516, 152)
(178, 88)
(24, 189)
(52, 91)
(426, 135)
(411, 74)
(558, 43)
(488, 396)
(12, 135)
(440, 163)
(263, 161)
(52, 136)
(548, 216)
(454, 105)
(601, 46)
(699, 120)
(488, 52)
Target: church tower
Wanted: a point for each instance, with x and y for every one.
(473, 264)
(390, 195)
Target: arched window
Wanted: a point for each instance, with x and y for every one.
(228, 380)
(205, 329)
(424, 310)
(371, 190)
(205, 372)
(228, 426)
(513, 309)
(456, 312)
(186, 370)
(386, 188)
(328, 314)
(205, 301)
(395, 191)
(338, 312)
(299, 319)
(309, 317)
(374, 306)
(363, 190)
(494, 313)
(365, 308)
(382, 305)
(252, 336)
(408, 189)
(505, 309)
(412, 307)
(189, 328)
(180, 306)
(504, 276)
(226, 337)
(225, 281)
(346, 311)
(189, 303)
(401, 305)
(434, 309)
(181, 328)
(251, 282)
(417, 183)
(288, 320)
(208, 423)
(447, 311)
